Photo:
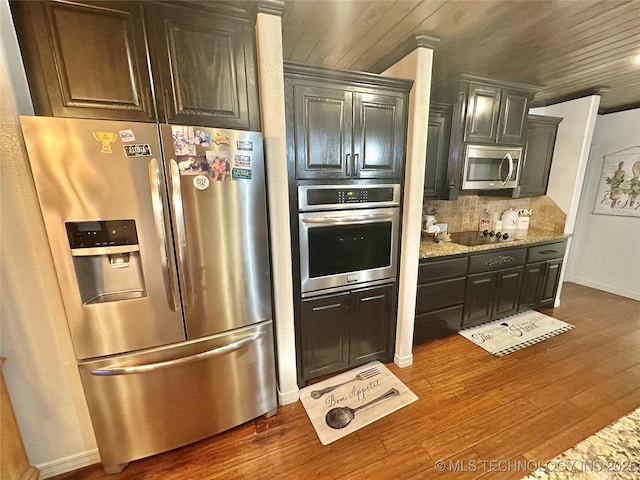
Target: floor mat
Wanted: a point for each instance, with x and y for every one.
(342, 404)
(509, 334)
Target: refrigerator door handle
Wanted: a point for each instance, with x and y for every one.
(150, 367)
(175, 193)
(161, 232)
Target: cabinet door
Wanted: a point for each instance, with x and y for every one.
(85, 60)
(324, 335)
(370, 325)
(530, 290)
(206, 67)
(550, 282)
(478, 298)
(437, 154)
(540, 143)
(379, 135)
(513, 116)
(322, 131)
(507, 292)
(483, 108)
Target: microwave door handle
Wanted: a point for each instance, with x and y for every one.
(500, 170)
(510, 158)
(342, 220)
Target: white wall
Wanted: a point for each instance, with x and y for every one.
(570, 158)
(606, 248)
(41, 373)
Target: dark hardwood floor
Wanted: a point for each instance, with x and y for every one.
(530, 405)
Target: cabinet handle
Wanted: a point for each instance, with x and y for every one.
(368, 299)
(355, 164)
(348, 162)
(547, 252)
(326, 307)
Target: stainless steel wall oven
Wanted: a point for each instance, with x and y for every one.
(348, 235)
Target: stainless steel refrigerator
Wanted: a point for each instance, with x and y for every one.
(159, 240)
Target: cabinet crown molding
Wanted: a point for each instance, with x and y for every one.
(413, 41)
(271, 7)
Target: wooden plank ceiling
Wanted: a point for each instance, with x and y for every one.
(569, 47)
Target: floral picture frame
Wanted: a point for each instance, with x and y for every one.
(619, 185)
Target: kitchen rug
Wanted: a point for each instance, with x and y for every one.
(613, 452)
(342, 404)
(509, 334)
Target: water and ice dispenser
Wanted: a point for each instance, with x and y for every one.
(106, 258)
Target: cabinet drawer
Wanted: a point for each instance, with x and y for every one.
(440, 323)
(428, 272)
(546, 252)
(496, 260)
(441, 294)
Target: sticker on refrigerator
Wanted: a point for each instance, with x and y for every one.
(242, 160)
(184, 140)
(241, 173)
(244, 145)
(127, 135)
(137, 150)
(106, 139)
(201, 182)
(221, 139)
(192, 164)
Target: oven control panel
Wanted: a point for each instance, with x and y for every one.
(314, 197)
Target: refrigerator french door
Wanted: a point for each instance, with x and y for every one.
(159, 240)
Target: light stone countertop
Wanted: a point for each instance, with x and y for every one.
(430, 249)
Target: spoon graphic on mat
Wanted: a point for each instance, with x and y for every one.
(340, 417)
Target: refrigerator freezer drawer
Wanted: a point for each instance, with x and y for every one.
(156, 400)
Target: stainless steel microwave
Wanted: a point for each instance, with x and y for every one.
(491, 167)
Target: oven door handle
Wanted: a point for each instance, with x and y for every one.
(345, 220)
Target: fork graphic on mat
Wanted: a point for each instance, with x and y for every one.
(371, 372)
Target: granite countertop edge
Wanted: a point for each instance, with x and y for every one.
(430, 249)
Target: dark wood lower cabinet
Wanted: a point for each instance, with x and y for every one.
(478, 298)
(325, 335)
(507, 293)
(347, 329)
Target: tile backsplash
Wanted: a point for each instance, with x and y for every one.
(463, 214)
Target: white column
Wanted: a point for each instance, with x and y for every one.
(416, 66)
(271, 82)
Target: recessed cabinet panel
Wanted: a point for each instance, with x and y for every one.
(378, 135)
(325, 335)
(86, 61)
(370, 334)
(483, 108)
(322, 131)
(205, 67)
(513, 116)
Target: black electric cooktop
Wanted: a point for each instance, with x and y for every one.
(473, 238)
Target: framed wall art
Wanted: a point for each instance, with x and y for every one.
(619, 185)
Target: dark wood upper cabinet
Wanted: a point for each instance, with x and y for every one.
(514, 107)
(97, 60)
(379, 135)
(345, 125)
(538, 154)
(438, 130)
(483, 109)
(322, 124)
(85, 60)
(206, 65)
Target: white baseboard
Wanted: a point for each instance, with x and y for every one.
(403, 361)
(68, 464)
(284, 398)
(605, 288)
